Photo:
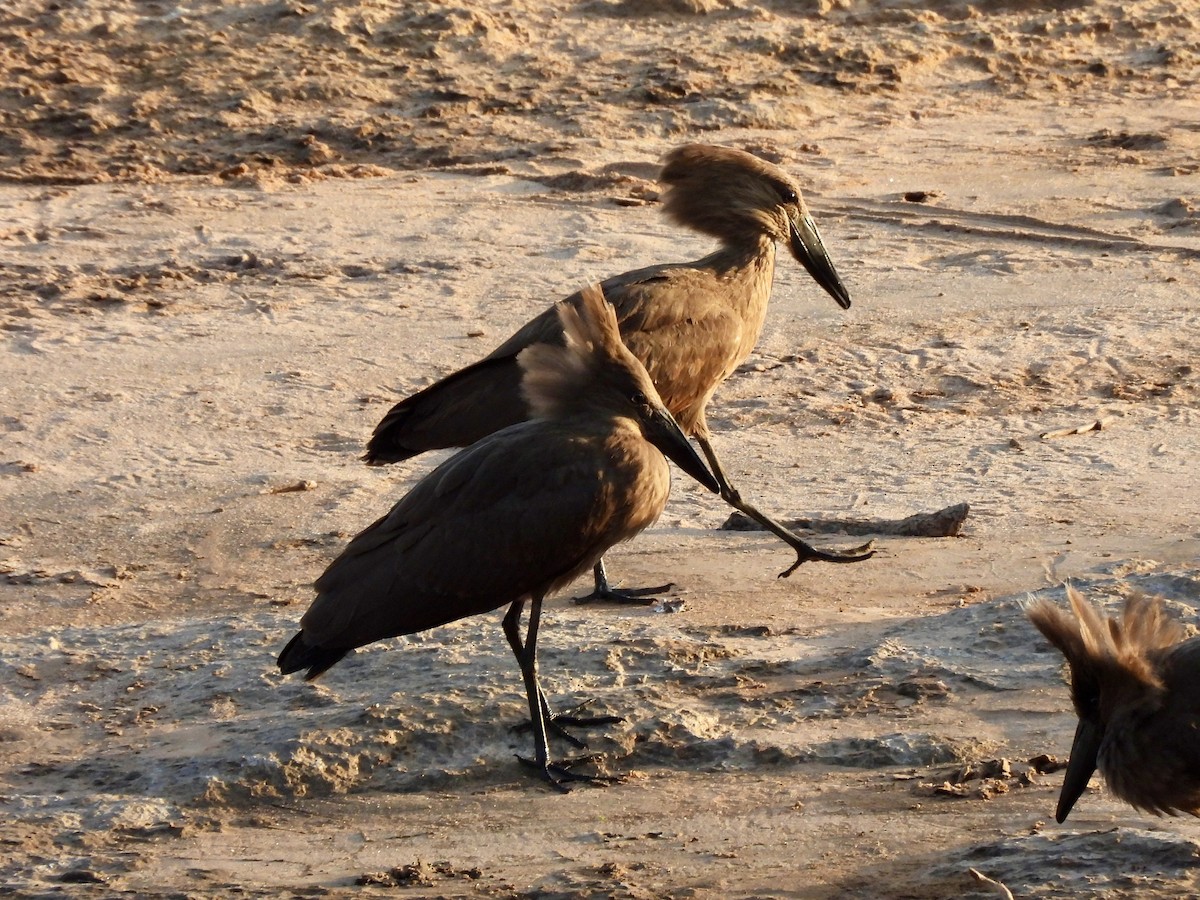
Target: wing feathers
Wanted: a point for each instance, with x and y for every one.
(534, 498)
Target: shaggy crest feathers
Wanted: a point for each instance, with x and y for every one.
(1094, 642)
(553, 376)
(1134, 687)
(682, 162)
(720, 191)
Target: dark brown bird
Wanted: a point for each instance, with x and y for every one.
(1135, 683)
(517, 515)
(691, 324)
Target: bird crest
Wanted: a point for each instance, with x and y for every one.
(591, 325)
(555, 376)
(725, 192)
(1096, 643)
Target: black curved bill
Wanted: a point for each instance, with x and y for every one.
(1085, 753)
(663, 432)
(809, 250)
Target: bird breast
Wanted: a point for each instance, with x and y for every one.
(635, 483)
(692, 326)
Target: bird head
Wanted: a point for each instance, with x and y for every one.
(595, 372)
(731, 194)
(1113, 664)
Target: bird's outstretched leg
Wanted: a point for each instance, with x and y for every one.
(604, 593)
(559, 773)
(804, 550)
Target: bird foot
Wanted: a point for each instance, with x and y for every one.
(642, 596)
(806, 552)
(573, 718)
(558, 723)
(560, 775)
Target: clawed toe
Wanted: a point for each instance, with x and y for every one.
(573, 718)
(557, 723)
(560, 774)
(560, 722)
(805, 553)
(639, 596)
(586, 721)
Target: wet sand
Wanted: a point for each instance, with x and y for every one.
(232, 238)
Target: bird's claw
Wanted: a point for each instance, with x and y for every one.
(556, 728)
(641, 596)
(560, 775)
(557, 724)
(806, 552)
(572, 717)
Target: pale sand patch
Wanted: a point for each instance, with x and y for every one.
(182, 351)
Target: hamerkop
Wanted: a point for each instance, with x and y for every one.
(691, 324)
(515, 516)
(1135, 683)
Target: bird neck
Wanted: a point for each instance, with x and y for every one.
(743, 251)
(641, 491)
(747, 270)
(636, 475)
(748, 263)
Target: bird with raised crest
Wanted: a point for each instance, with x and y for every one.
(1135, 685)
(516, 516)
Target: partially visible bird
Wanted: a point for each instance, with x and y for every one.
(514, 517)
(1135, 684)
(691, 324)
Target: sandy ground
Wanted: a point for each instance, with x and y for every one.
(234, 234)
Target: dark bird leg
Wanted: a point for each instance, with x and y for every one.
(559, 774)
(804, 550)
(554, 722)
(603, 593)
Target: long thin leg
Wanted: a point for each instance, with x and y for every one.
(527, 659)
(603, 592)
(553, 721)
(804, 550)
(558, 774)
(512, 631)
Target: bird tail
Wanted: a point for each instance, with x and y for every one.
(298, 655)
(454, 412)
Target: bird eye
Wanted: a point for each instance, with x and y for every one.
(638, 398)
(788, 195)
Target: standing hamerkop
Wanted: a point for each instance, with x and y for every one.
(517, 515)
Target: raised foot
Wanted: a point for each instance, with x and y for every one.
(806, 552)
(640, 596)
(560, 775)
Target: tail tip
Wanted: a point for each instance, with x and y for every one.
(298, 654)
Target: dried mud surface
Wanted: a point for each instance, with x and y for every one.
(234, 234)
